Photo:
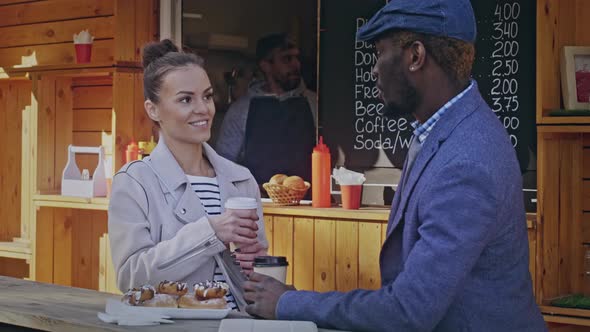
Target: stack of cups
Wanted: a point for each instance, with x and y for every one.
(240, 203)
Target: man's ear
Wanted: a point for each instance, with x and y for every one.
(418, 56)
(152, 110)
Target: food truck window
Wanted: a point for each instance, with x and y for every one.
(225, 32)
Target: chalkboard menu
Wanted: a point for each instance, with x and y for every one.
(351, 113)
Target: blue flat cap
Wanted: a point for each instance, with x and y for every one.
(446, 18)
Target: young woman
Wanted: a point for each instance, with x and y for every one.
(166, 216)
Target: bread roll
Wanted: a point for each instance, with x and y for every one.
(189, 301)
(161, 300)
(294, 182)
(277, 179)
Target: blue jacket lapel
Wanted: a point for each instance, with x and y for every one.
(441, 131)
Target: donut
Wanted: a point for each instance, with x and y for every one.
(210, 290)
(189, 301)
(172, 288)
(137, 296)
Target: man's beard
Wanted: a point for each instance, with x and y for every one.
(407, 102)
(288, 84)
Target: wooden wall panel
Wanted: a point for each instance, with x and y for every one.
(369, 249)
(269, 229)
(532, 236)
(303, 253)
(63, 134)
(347, 255)
(52, 33)
(123, 87)
(92, 120)
(585, 230)
(144, 127)
(93, 97)
(125, 30)
(62, 247)
(51, 54)
(46, 136)
(586, 195)
(92, 81)
(16, 268)
(555, 29)
(548, 207)
(24, 108)
(581, 21)
(325, 260)
(283, 242)
(10, 163)
(586, 165)
(88, 227)
(12, 2)
(146, 28)
(54, 10)
(566, 231)
(44, 246)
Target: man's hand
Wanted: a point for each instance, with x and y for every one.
(262, 294)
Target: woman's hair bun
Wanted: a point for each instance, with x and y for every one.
(155, 50)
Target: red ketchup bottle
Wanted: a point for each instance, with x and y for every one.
(320, 175)
(132, 152)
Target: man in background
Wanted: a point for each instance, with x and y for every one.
(456, 256)
(272, 129)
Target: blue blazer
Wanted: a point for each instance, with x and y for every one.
(456, 255)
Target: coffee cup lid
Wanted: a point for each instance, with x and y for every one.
(241, 203)
(267, 261)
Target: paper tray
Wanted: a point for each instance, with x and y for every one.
(116, 307)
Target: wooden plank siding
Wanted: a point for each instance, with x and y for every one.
(54, 54)
(79, 104)
(51, 33)
(13, 100)
(563, 200)
(54, 10)
(42, 31)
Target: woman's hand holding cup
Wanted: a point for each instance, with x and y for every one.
(236, 226)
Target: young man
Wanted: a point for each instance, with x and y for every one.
(273, 128)
(456, 253)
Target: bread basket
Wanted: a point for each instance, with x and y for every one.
(281, 195)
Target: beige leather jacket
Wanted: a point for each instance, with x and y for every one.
(158, 228)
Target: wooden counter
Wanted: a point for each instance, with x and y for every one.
(50, 307)
(336, 249)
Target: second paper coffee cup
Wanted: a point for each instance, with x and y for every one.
(240, 203)
(272, 266)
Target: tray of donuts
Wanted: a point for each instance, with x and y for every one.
(206, 300)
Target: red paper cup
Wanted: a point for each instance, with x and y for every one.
(351, 196)
(83, 52)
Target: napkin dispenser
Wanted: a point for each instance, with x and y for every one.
(72, 182)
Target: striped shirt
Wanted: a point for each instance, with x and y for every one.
(421, 131)
(208, 191)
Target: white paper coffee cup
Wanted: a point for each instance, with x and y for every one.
(240, 203)
(272, 266)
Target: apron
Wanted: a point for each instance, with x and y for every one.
(280, 136)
